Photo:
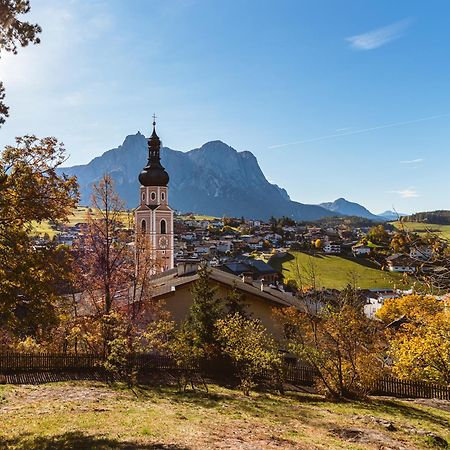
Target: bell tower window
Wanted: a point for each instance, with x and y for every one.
(163, 227)
(153, 196)
(144, 226)
(163, 195)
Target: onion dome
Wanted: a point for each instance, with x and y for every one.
(154, 174)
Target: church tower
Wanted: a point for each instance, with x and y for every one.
(154, 217)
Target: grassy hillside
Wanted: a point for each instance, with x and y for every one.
(92, 415)
(336, 272)
(78, 216)
(197, 217)
(417, 227)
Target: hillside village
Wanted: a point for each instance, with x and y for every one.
(159, 299)
(254, 250)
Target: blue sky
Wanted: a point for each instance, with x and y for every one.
(335, 98)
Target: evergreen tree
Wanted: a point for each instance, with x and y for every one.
(205, 310)
(234, 302)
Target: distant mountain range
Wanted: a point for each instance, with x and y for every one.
(214, 179)
(346, 208)
(391, 215)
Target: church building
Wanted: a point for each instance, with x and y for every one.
(154, 217)
(173, 285)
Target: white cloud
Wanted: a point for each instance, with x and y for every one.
(406, 193)
(380, 36)
(412, 161)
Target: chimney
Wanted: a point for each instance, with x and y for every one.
(262, 284)
(187, 268)
(246, 278)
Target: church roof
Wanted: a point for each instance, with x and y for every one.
(154, 174)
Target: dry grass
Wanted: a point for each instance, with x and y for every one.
(79, 215)
(88, 415)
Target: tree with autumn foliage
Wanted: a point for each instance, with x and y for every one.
(31, 191)
(419, 337)
(378, 235)
(339, 342)
(112, 277)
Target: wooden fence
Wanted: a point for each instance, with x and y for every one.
(47, 362)
(410, 389)
(299, 375)
(44, 362)
(23, 365)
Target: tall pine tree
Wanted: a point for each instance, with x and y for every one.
(205, 311)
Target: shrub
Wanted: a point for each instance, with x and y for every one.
(250, 347)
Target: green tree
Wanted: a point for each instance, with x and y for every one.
(205, 310)
(119, 360)
(250, 347)
(14, 33)
(165, 338)
(234, 302)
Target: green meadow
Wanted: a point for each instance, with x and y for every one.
(420, 227)
(336, 272)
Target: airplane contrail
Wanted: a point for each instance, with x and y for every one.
(364, 130)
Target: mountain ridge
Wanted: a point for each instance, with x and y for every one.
(347, 208)
(214, 179)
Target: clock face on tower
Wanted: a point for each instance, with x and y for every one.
(163, 242)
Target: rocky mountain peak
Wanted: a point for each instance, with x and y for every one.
(214, 179)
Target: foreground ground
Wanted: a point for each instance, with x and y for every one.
(93, 415)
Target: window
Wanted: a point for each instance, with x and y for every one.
(144, 226)
(163, 195)
(153, 195)
(143, 196)
(163, 226)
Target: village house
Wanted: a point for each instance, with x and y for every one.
(375, 299)
(224, 246)
(421, 253)
(255, 268)
(174, 287)
(273, 237)
(361, 250)
(401, 263)
(254, 242)
(332, 248)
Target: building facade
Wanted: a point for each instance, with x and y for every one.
(153, 216)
